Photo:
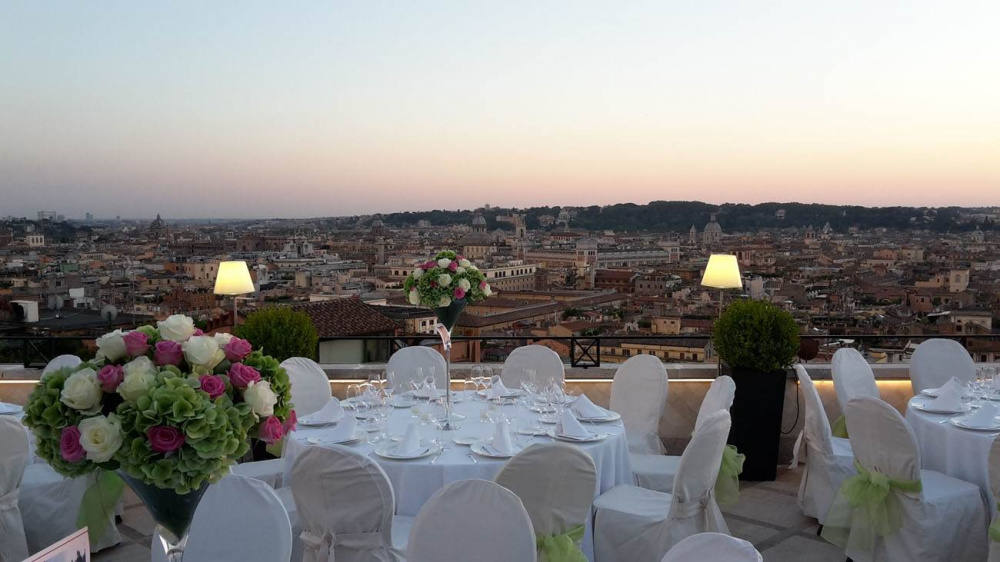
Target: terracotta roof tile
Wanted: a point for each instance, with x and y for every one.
(347, 317)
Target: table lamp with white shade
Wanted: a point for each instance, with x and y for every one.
(722, 272)
(233, 280)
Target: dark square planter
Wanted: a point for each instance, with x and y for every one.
(756, 415)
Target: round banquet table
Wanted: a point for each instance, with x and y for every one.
(414, 481)
(957, 452)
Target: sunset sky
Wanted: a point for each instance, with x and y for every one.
(316, 108)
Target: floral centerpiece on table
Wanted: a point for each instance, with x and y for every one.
(446, 283)
(166, 407)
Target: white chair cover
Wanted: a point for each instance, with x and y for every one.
(937, 360)
(472, 520)
(556, 484)
(310, 385)
(270, 471)
(657, 472)
(639, 394)
(50, 505)
(404, 363)
(852, 377)
(946, 522)
(634, 524)
(13, 459)
(546, 363)
(239, 518)
(995, 486)
(829, 460)
(715, 547)
(60, 362)
(344, 503)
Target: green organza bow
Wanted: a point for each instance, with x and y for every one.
(866, 508)
(995, 528)
(840, 427)
(562, 548)
(98, 504)
(727, 485)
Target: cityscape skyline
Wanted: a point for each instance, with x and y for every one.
(213, 111)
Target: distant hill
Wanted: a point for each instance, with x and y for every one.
(679, 216)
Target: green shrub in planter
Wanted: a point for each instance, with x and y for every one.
(280, 332)
(756, 335)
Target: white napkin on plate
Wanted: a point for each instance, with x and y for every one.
(955, 386)
(499, 391)
(569, 426)
(984, 417)
(331, 412)
(410, 445)
(947, 400)
(501, 438)
(586, 409)
(345, 430)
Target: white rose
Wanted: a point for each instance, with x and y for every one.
(459, 270)
(261, 398)
(111, 346)
(472, 268)
(136, 384)
(201, 351)
(464, 284)
(418, 273)
(444, 279)
(414, 298)
(487, 290)
(445, 301)
(176, 328)
(81, 391)
(464, 262)
(444, 262)
(223, 339)
(140, 365)
(101, 437)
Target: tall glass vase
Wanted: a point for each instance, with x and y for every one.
(447, 318)
(172, 512)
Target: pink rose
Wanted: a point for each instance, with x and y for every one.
(69, 445)
(237, 349)
(429, 265)
(136, 343)
(291, 422)
(168, 353)
(110, 376)
(482, 285)
(242, 375)
(164, 439)
(453, 265)
(434, 284)
(459, 257)
(459, 293)
(198, 332)
(271, 430)
(213, 385)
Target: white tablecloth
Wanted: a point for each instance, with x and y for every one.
(959, 453)
(415, 481)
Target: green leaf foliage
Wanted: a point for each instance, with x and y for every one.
(756, 335)
(280, 332)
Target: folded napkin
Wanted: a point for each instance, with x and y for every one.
(499, 390)
(955, 386)
(984, 417)
(345, 429)
(569, 426)
(331, 412)
(586, 409)
(947, 400)
(410, 445)
(501, 438)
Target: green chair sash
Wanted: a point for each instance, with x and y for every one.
(727, 484)
(98, 504)
(866, 508)
(840, 428)
(562, 548)
(995, 528)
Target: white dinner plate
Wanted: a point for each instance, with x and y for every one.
(511, 393)
(931, 410)
(933, 392)
(359, 434)
(402, 401)
(594, 437)
(612, 416)
(465, 440)
(388, 451)
(961, 422)
(427, 393)
(548, 418)
(485, 449)
(532, 431)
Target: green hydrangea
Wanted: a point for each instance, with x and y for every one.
(436, 286)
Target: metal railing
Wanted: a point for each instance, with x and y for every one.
(577, 351)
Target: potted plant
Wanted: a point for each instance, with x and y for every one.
(756, 341)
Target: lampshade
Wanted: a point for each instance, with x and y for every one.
(722, 272)
(233, 279)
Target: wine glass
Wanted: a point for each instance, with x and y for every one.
(353, 390)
